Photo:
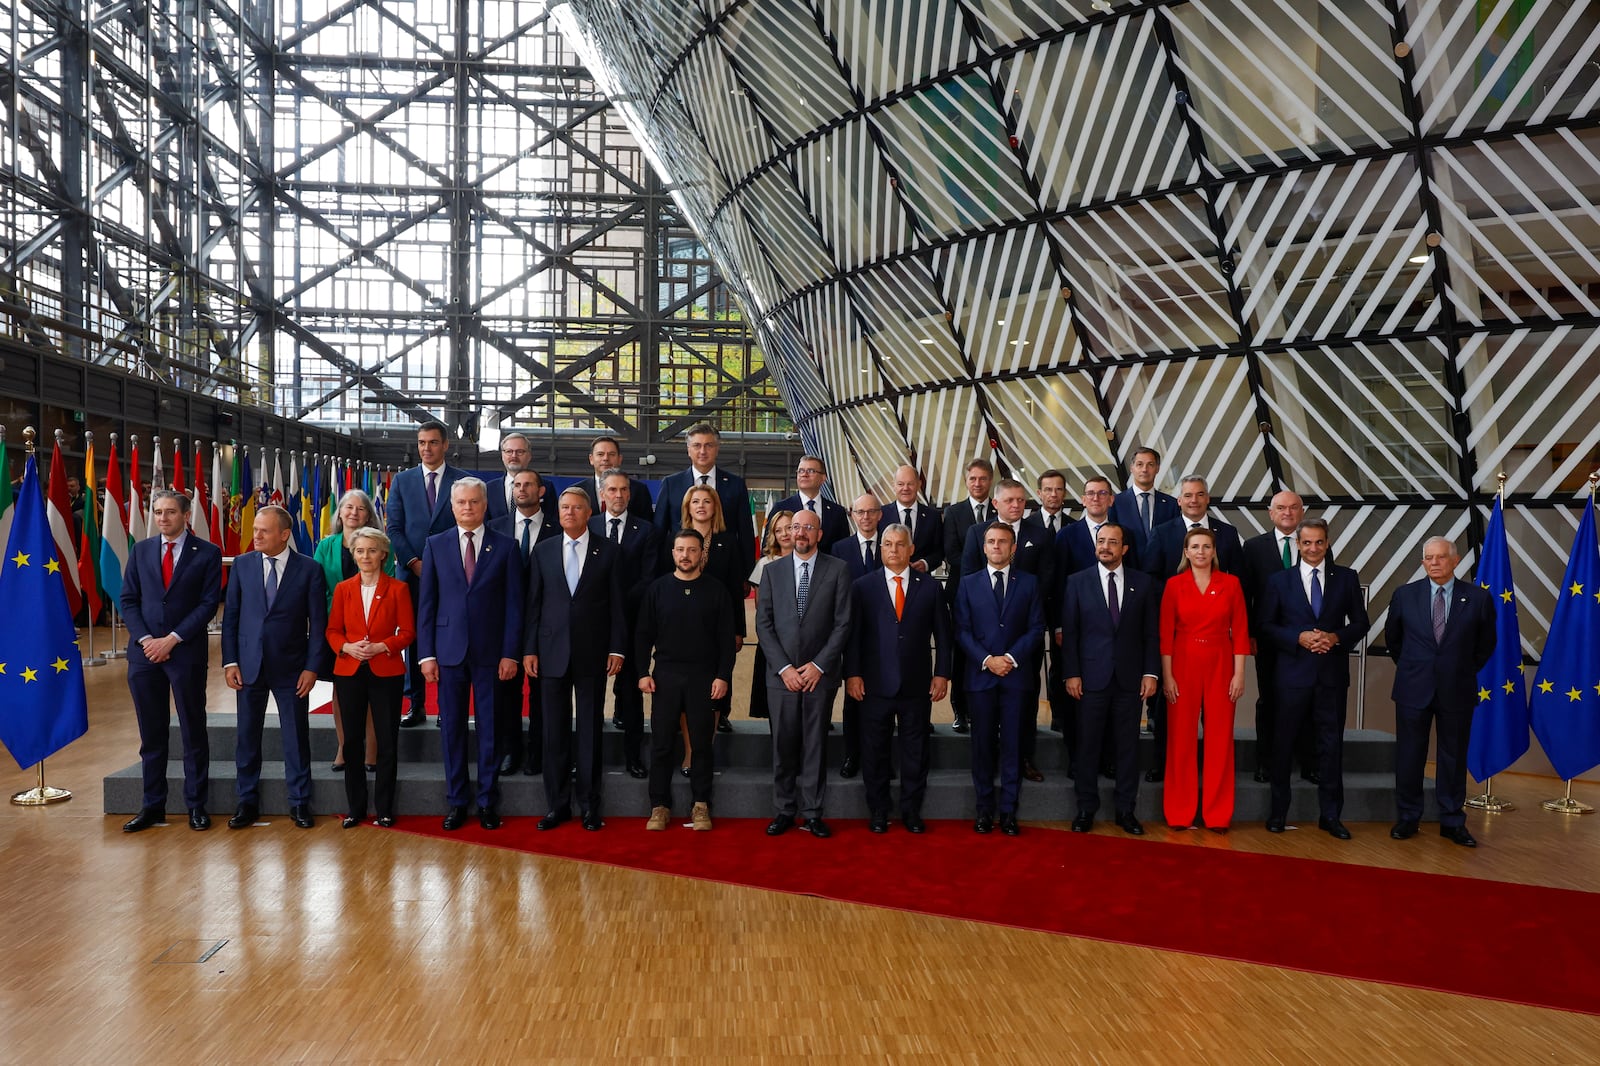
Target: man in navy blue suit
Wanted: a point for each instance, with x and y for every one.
(1313, 616)
(1194, 504)
(418, 508)
(1441, 632)
(1076, 543)
(573, 640)
(638, 551)
(605, 455)
(810, 474)
(274, 643)
(170, 592)
(1111, 662)
(527, 525)
(1141, 507)
(469, 633)
(925, 523)
(859, 552)
(999, 619)
(897, 615)
(705, 444)
(516, 455)
(958, 519)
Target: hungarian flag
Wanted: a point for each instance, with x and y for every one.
(89, 542)
(59, 510)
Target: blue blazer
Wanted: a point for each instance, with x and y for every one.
(1165, 550)
(1075, 550)
(1445, 671)
(506, 525)
(640, 555)
(1103, 656)
(983, 631)
(736, 515)
(848, 551)
(475, 626)
(890, 655)
(836, 524)
(1286, 613)
(574, 632)
(927, 540)
(497, 499)
(150, 610)
(639, 504)
(1125, 512)
(1035, 554)
(275, 646)
(410, 522)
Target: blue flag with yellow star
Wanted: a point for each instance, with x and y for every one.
(1500, 723)
(1566, 689)
(43, 707)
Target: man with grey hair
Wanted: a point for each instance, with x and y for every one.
(860, 554)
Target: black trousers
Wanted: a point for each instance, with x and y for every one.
(1318, 712)
(686, 691)
(880, 720)
(1305, 749)
(1109, 717)
(416, 687)
(509, 699)
(152, 686)
(579, 698)
(356, 693)
(1028, 727)
(1454, 725)
(628, 702)
(851, 728)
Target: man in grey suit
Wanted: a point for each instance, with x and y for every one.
(803, 623)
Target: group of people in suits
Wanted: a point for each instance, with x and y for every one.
(1146, 606)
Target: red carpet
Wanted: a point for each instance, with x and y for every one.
(1471, 937)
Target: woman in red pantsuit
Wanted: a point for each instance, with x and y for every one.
(1204, 639)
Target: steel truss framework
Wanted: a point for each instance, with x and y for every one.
(360, 214)
(1342, 246)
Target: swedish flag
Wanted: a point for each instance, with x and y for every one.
(1500, 724)
(1566, 690)
(43, 707)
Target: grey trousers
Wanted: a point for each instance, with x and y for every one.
(799, 744)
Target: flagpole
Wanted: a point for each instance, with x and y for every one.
(90, 659)
(41, 793)
(1488, 801)
(1566, 804)
(114, 652)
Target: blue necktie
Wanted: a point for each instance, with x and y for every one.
(804, 588)
(574, 570)
(272, 581)
(1438, 613)
(1316, 593)
(999, 591)
(1144, 512)
(1111, 600)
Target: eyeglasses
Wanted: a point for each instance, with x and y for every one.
(1096, 492)
(808, 470)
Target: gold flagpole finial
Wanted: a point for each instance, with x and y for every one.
(27, 438)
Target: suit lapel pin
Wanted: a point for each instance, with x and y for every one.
(487, 548)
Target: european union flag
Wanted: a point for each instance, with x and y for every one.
(1566, 690)
(1500, 724)
(43, 707)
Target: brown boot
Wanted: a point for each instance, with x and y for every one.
(701, 816)
(658, 818)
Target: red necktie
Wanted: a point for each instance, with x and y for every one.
(899, 598)
(166, 565)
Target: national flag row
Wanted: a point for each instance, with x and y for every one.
(93, 553)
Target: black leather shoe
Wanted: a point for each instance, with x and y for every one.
(146, 818)
(371, 767)
(1083, 823)
(1056, 727)
(817, 828)
(1008, 825)
(780, 825)
(554, 818)
(454, 819)
(1457, 834)
(508, 765)
(414, 717)
(349, 821)
(1404, 830)
(1261, 778)
(913, 823)
(961, 725)
(879, 823)
(199, 820)
(724, 726)
(489, 818)
(1130, 825)
(983, 824)
(1153, 776)
(1334, 828)
(616, 723)
(1031, 772)
(1108, 772)
(593, 822)
(532, 767)
(850, 768)
(301, 813)
(636, 770)
(337, 768)
(246, 815)
(684, 770)
(387, 821)
(1276, 825)
(1311, 777)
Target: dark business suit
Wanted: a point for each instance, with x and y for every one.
(736, 516)
(958, 519)
(1436, 681)
(500, 505)
(1261, 558)
(639, 552)
(891, 656)
(639, 504)
(836, 524)
(511, 697)
(1310, 689)
(271, 646)
(1112, 660)
(927, 531)
(800, 719)
(469, 628)
(850, 552)
(1125, 512)
(999, 705)
(409, 523)
(150, 609)
(573, 632)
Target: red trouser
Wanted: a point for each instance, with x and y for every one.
(1202, 673)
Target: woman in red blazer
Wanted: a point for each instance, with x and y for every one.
(1204, 639)
(370, 622)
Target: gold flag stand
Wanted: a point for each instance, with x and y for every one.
(1489, 801)
(41, 793)
(1567, 805)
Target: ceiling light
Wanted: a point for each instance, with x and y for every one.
(924, 340)
(1418, 259)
